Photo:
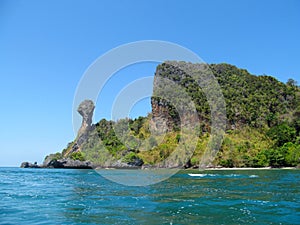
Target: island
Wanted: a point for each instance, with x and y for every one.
(262, 125)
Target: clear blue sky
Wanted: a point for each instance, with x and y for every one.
(45, 47)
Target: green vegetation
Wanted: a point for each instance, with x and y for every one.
(255, 101)
(263, 124)
(77, 156)
(129, 157)
(263, 115)
(55, 156)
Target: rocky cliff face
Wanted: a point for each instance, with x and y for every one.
(174, 98)
(161, 119)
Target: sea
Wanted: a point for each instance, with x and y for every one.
(67, 196)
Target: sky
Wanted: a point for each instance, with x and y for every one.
(46, 46)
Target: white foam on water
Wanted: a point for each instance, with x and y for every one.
(221, 175)
(233, 175)
(196, 175)
(201, 175)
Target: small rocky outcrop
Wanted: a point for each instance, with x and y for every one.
(69, 164)
(29, 165)
(60, 163)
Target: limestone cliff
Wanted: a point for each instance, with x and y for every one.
(175, 95)
(86, 110)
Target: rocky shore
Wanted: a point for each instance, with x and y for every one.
(67, 163)
(60, 163)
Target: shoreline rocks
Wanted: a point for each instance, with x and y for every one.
(30, 165)
(61, 163)
(69, 164)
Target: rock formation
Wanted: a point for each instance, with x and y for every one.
(30, 165)
(86, 110)
(69, 164)
(65, 163)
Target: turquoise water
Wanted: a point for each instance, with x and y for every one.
(53, 196)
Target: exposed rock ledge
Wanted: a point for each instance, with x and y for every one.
(29, 165)
(61, 163)
(67, 163)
